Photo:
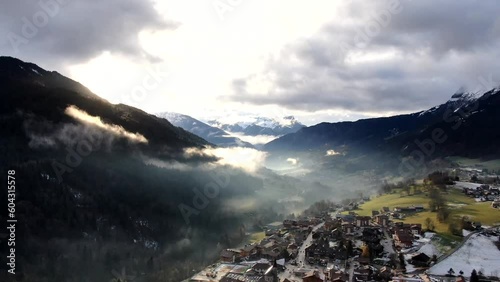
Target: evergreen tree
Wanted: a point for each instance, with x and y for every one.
(473, 276)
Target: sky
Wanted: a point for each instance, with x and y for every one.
(318, 60)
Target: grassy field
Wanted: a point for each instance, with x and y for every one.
(459, 204)
(257, 237)
(478, 163)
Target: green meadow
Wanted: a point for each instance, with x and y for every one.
(460, 205)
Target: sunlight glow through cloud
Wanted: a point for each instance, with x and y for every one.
(292, 161)
(247, 159)
(332, 153)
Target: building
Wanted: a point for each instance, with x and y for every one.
(420, 260)
(336, 275)
(362, 274)
(347, 228)
(288, 223)
(403, 238)
(419, 208)
(405, 209)
(247, 250)
(382, 220)
(346, 218)
(229, 255)
(495, 204)
(313, 276)
(363, 221)
(416, 229)
(331, 224)
(262, 268)
(238, 277)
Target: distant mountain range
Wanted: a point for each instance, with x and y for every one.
(212, 134)
(261, 126)
(466, 125)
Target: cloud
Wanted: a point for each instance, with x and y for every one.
(82, 116)
(242, 204)
(91, 132)
(70, 135)
(414, 60)
(255, 140)
(332, 153)
(44, 134)
(175, 165)
(292, 161)
(247, 159)
(77, 30)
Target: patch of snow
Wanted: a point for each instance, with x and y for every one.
(469, 185)
(409, 267)
(456, 206)
(35, 71)
(478, 252)
(471, 169)
(423, 240)
(429, 235)
(77, 195)
(387, 244)
(141, 222)
(266, 122)
(430, 250)
(272, 123)
(151, 244)
(409, 250)
(429, 111)
(45, 176)
(172, 117)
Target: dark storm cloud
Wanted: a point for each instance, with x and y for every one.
(372, 58)
(75, 30)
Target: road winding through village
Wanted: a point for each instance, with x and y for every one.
(300, 259)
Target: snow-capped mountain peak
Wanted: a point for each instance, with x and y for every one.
(275, 122)
(261, 126)
(463, 95)
(210, 133)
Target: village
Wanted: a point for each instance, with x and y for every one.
(339, 244)
(333, 247)
(483, 193)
